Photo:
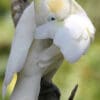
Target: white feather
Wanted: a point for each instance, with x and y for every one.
(47, 30)
(71, 49)
(23, 38)
(73, 36)
(79, 22)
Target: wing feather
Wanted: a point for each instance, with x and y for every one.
(24, 35)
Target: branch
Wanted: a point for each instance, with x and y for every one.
(73, 93)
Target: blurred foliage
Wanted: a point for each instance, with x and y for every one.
(4, 6)
(86, 72)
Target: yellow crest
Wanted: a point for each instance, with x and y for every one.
(56, 5)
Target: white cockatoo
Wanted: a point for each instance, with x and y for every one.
(73, 35)
(63, 21)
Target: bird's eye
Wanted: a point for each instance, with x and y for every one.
(53, 18)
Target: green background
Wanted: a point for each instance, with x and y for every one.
(86, 72)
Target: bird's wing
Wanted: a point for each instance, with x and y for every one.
(23, 37)
(71, 49)
(65, 37)
(75, 38)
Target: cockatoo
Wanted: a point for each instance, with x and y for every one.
(73, 37)
(63, 21)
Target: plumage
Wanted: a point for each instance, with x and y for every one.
(71, 32)
(23, 38)
(73, 35)
(76, 38)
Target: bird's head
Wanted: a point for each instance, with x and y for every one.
(75, 32)
(48, 10)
